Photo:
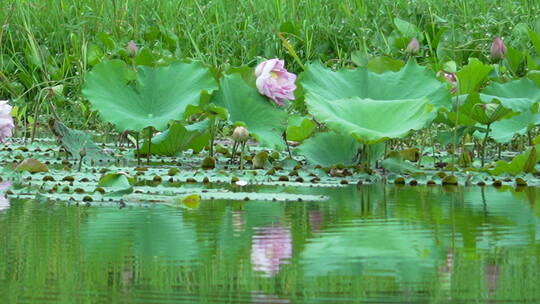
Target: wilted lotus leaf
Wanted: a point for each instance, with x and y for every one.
(32, 165)
(151, 97)
(76, 141)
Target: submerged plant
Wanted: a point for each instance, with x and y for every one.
(274, 81)
(6, 121)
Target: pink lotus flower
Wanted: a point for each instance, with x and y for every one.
(271, 247)
(274, 81)
(498, 49)
(6, 121)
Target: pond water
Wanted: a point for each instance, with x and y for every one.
(366, 244)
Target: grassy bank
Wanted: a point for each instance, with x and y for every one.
(48, 43)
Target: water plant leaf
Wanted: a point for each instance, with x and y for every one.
(179, 138)
(76, 141)
(522, 163)
(330, 148)
(32, 165)
(117, 180)
(397, 165)
(154, 97)
(244, 103)
(518, 95)
(411, 82)
(472, 76)
(300, 128)
(504, 130)
(372, 121)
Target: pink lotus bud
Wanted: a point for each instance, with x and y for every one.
(6, 121)
(132, 48)
(498, 49)
(413, 47)
(274, 81)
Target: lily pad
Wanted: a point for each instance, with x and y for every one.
(151, 97)
(76, 141)
(32, 165)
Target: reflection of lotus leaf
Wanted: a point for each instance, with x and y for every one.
(389, 249)
(158, 232)
(513, 220)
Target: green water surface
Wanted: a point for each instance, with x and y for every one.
(366, 244)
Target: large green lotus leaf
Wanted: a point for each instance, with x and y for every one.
(179, 138)
(244, 103)
(472, 76)
(411, 82)
(372, 121)
(504, 130)
(517, 95)
(327, 149)
(150, 98)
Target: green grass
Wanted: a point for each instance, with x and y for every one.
(46, 43)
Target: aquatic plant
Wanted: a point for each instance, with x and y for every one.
(274, 81)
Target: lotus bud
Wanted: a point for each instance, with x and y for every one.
(498, 49)
(240, 134)
(132, 48)
(413, 47)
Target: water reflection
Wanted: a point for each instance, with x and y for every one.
(365, 244)
(4, 203)
(271, 247)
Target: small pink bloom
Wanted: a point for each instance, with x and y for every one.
(271, 247)
(132, 48)
(6, 121)
(274, 81)
(413, 47)
(498, 49)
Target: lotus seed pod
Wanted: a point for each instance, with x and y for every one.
(82, 153)
(240, 134)
(413, 47)
(132, 48)
(498, 49)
